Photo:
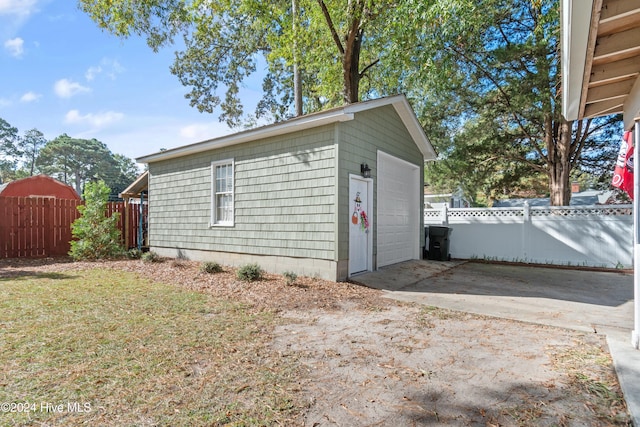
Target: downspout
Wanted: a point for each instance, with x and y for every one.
(141, 219)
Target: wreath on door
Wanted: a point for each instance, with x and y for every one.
(359, 215)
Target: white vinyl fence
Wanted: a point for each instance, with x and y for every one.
(594, 236)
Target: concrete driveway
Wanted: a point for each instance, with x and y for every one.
(593, 301)
(575, 299)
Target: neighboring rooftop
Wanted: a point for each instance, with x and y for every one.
(582, 198)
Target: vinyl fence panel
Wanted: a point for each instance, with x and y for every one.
(594, 236)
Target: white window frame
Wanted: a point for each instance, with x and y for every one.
(214, 220)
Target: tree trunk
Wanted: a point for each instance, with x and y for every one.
(350, 68)
(558, 147)
(78, 184)
(297, 81)
(350, 49)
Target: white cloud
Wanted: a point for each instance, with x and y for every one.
(114, 67)
(15, 46)
(92, 72)
(96, 120)
(18, 7)
(110, 67)
(30, 97)
(202, 131)
(66, 88)
(4, 102)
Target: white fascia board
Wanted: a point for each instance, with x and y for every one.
(283, 128)
(415, 129)
(576, 20)
(631, 112)
(408, 117)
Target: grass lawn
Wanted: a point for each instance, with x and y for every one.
(102, 347)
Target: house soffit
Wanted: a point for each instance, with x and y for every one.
(608, 81)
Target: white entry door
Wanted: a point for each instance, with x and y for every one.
(360, 222)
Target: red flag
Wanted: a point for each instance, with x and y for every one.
(623, 172)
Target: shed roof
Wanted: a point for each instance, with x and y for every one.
(334, 115)
(601, 59)
(136, 187)
(583, 198)
(38, 185)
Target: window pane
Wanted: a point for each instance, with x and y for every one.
(229, 180)
(223, 188)
(225, 207)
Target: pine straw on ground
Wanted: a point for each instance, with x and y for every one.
(272, 292)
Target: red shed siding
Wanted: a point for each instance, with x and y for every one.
(39, 185)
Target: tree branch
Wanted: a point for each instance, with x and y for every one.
(362, 73)
(497, 86)
(332, 28)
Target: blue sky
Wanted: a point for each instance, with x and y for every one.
(59, 73)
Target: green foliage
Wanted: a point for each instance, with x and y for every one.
(249, 273)
(30, 145)
(337, 46)
(70, 160)
(97, 236)
(125, 171)
(482, 75)
(210, 267)
(290, 276)
(151, 256)
(487, 90)
(134, 253)
(76, 161)
(8, 150)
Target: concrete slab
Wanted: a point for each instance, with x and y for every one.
(593, 301)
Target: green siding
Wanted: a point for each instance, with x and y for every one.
(291, 192)
(360, 139)
(284, 198)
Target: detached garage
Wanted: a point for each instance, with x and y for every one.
(330, 194)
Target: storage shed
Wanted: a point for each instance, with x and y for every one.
(39, 185)
(330, 194)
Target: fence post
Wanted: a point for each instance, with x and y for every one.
(49, 227)
(526, 223)
(445, 215)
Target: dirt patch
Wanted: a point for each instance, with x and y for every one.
(367, 360)
(410, 366)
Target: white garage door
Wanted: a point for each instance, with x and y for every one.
(398, 210)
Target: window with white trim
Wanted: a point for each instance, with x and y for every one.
(222, 192)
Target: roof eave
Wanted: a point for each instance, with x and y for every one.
(346, 113)
(140, 184)
(575, 37)
(252, 135)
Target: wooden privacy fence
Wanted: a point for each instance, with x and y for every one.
(32, 227)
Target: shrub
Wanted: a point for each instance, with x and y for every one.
(249, 272)
(290, 276)
(151, 257)
(134, 253)
(210, 267)
(96, 235)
